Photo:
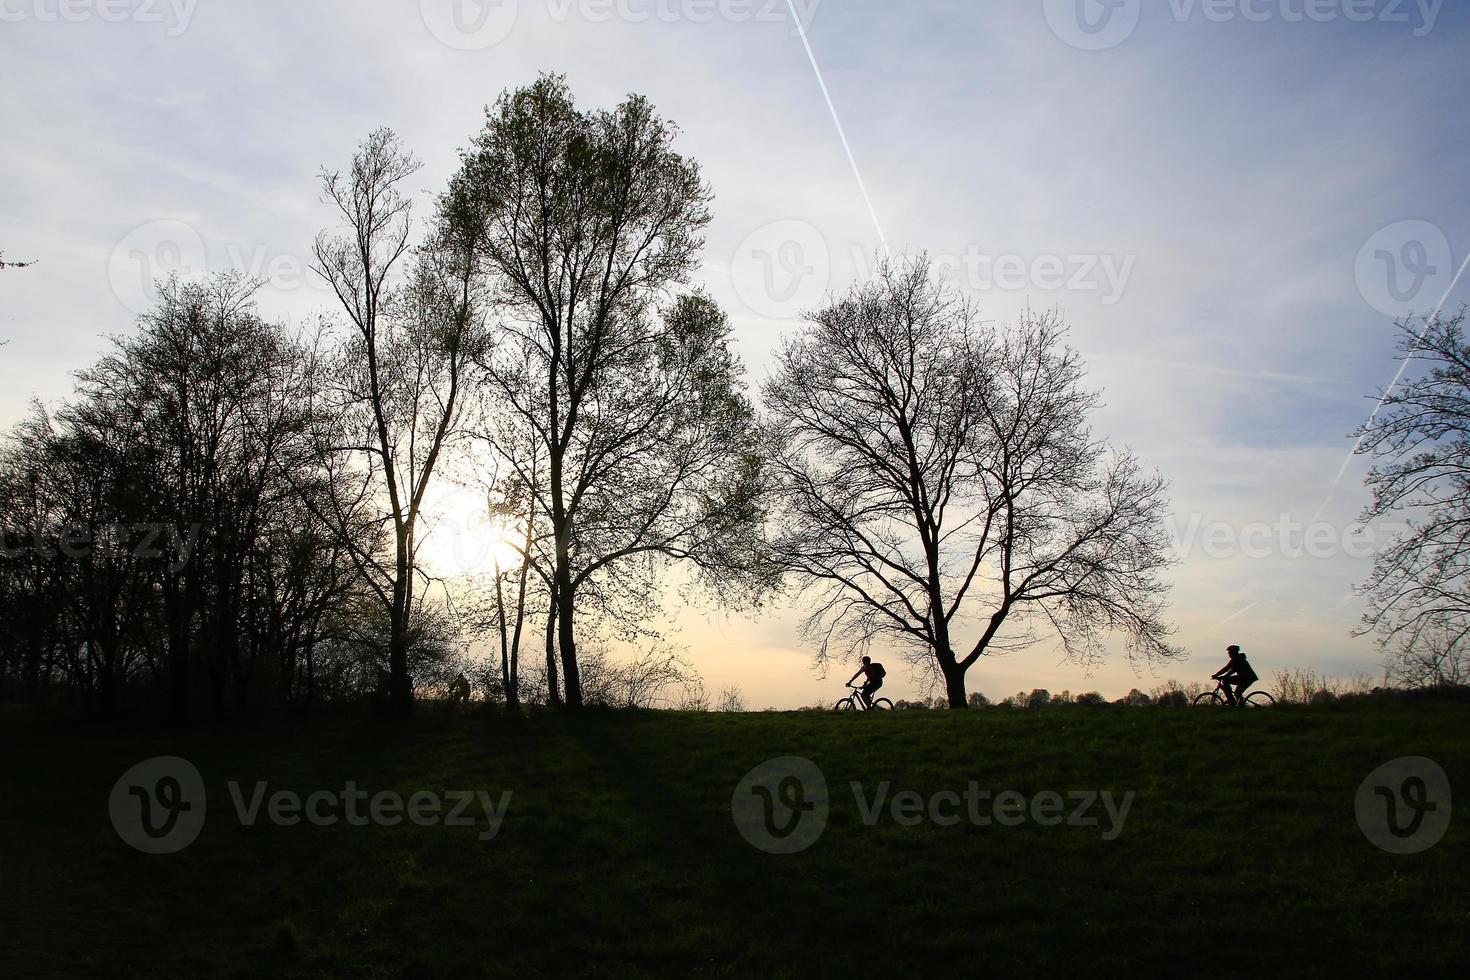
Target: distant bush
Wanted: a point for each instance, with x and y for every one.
(1175, 695)
(731, 700)
(653, 679)
(1302, 685)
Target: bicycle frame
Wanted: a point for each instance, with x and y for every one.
(1220, 695)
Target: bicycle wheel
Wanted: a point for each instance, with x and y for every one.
(1259, 699)
(882, 704)
(1209, 699)
(846, 704)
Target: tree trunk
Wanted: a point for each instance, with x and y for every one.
(949, 666)
(400, 688)
(567, 640)
(400, 685)
(178, 652)
(954, 677)
(553, 687)
(954, 687)
(310, 677)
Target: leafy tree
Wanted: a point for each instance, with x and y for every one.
(624, 398)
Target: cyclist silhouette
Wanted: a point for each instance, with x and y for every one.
(875, 673)
(1238, 675)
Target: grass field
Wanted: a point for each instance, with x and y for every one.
(618, 855)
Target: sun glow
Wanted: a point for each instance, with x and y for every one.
(462, 539)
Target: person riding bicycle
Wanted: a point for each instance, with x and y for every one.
(875, 674)
(1236, 676)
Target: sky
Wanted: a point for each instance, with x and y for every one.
(1230, 201)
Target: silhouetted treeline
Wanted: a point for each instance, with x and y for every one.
(165, 545)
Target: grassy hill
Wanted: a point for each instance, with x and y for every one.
(618, 854)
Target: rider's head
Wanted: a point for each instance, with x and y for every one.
(1232, 649)
(867, 660)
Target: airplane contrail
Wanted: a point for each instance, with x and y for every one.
(1342, 471)
(837, 121)
(1230, 619)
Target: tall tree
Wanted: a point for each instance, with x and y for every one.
(1419, 592)
(586, 224)
(403, 383)
(941, 490)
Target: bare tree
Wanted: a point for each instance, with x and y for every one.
(941, 491)
(403, 382)
(585, 224)
(1420, 436)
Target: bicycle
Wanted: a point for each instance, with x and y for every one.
(1218, 698)
(854, 702)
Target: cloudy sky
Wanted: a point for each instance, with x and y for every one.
(1229, 201)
